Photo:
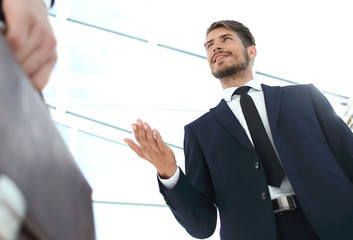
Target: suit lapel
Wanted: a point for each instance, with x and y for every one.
(272, 97)
(226, 117)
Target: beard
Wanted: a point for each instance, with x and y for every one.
(234, 69)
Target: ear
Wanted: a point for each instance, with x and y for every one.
(252, 52)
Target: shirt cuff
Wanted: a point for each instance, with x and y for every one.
(172, 181)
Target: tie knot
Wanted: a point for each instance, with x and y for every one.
(242, 90)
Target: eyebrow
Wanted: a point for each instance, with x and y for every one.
(212, 40)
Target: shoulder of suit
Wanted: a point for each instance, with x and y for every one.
(307, 85)
(206, 116)
(297, 87)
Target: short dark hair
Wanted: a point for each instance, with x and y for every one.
(243, 32)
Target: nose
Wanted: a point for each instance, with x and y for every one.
(216, 47)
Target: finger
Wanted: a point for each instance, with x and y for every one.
(17, 27)
(159, 140)
(34, 56)
(136, 148)
(151, 141)
(30, 44)
(27, 27)
(134, 127)
(41, 76)
(141, 134)
(16, 39)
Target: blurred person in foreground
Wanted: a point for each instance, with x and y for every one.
(43, 193)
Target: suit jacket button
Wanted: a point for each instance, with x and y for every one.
(256, 165)
(264, 196)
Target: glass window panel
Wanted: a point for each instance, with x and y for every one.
(115, 173)
(128, 17)
(170, 123)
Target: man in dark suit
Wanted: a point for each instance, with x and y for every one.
(292, 182)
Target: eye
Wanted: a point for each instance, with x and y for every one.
(227, 38)
(209, 45)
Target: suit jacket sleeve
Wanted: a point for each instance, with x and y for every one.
(192, 199)
(338, 136)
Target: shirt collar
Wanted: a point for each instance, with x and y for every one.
(228, 92)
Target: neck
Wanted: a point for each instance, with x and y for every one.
(236, 80)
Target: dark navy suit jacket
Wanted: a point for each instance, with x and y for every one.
(316, 150)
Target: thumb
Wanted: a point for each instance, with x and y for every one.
(136, 148)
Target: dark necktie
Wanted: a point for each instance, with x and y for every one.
(262, 144)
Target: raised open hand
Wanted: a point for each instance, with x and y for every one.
(152, 148)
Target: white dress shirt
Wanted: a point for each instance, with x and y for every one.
(233, 102)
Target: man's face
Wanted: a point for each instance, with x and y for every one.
(226, 53)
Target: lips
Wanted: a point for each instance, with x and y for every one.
(218, 56)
